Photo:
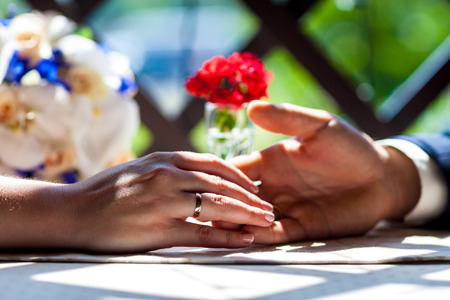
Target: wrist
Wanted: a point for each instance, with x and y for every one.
(80, 215)
(403, 182)
(56, 217)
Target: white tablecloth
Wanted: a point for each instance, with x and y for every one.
(382, 245)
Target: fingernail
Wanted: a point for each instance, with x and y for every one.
(285, 105)
(270, 217)
(248, 237)
(256, 185)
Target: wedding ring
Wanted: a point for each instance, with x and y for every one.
(198, 205)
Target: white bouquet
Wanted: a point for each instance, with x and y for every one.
(66, 106)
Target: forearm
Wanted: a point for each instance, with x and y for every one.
(33, 214)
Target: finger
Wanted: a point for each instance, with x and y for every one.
(202, 182)
(282, 231)
(211, 164)
(346, 216)
(287, 118)
(305, 221)
(221, 208)
(250, 164)
(225, 225)
(189, 234)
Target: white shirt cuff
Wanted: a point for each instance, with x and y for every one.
(433, 197)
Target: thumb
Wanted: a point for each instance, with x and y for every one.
(287, 118)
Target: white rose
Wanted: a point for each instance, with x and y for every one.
(111, 66)
(54, 120)
(111, 126)
(85, 81)
(57, 163)
(21, 150)
(6, 54)
(44, 125)
(29, 30)
(78, 50)
(9, 106)
(58, 26)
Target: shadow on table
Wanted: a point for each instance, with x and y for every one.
(157, 281)
(27, 280)
(349, 281)
(383, 245)
(20, 281)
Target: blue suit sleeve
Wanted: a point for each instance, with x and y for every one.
(437, 146)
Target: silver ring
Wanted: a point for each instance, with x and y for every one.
(198, 205)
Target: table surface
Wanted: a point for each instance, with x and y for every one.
(191, 281)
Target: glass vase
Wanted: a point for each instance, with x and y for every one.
(229, 130)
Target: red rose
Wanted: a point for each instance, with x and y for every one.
(226, 96)
(218, 66)
(197, 86)
(234, 80)
(255, 83)
(238, 58)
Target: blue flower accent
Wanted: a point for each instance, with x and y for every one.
(58, 57)
(127, 85)
(5, 22)
(70, 177)
(17, 68)
(29, 173)
(25, 174)
(48, 69)
(106, 49)
(64, 84)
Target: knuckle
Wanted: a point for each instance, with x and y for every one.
(329, 122)
(212, 159)
(156, 156)
(220, 183)
(228, 238)
(162, 174)
(176, 157)
(333, 124)
(204, 234)
(220, 202)
(162, 156)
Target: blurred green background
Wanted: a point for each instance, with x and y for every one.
(375, 44)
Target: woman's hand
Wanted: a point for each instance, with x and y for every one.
(143, 205)
(137, 206)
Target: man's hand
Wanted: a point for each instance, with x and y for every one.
(330, 180)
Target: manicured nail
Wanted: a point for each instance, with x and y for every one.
(270, 217)
(284, 105)
(248, 237)
(255, 186)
